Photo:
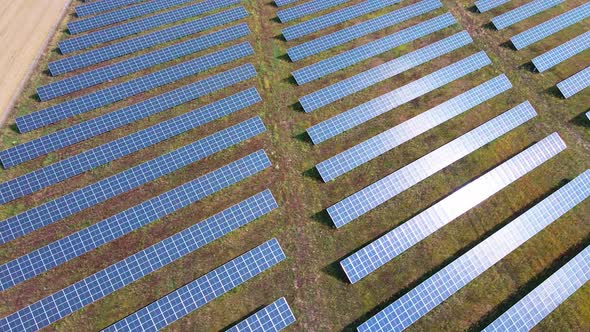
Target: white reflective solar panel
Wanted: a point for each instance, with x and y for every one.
(307, 8)
(390, 186)
(485, 5)
(523, 12)
(423, 298)
(274, 317)
(562, 52)
(400, 239)
(575, 83)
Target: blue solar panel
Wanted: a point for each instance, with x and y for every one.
(430, 293)
(61, 170)
(340, 37)
(375, 107)
(336, 17)
(372, 148)
(390, 186)
(575, 83)
(400, 239)
(102, 6)
(274, 317)
(134, 267)
(281, 3)
(107, 73)
(136, 176)
(523, 12)
(562, 52)
(485, 5)
(382, 72)
(542, 300)
(197, 293)
(140, 25)
(90, 238)
(132, 87)
(371, 49)
(551, 26)
(145, 41)
(307, 8)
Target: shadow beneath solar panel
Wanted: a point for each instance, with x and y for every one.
(303, 137)
(313, 173)
(239, 320)
(509, 45)
(35, 97)
(489, 26)
(272, 4)
(335, 270)
(323, 218)
(14, 128)
(581, 120)
(297, 107)
(472, 9)
(530, 285)
(554, 91)
(284, 57)
(529, 66)
(276, 20)
(291, 80)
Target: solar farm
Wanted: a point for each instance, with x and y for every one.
(302, 165)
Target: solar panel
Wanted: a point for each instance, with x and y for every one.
(107, 73)
(430, 293)
(274, 317)
(551, 26)
(197, 293)
(373, 147)
(61, 170)
(102, 6)
(281, 3)
(124, 181)
(51, 309)
(371, 49)
(140, 25)
(542, 300)
(588, 115)
(382, 72)
(132, 87)
(58, 252)
(575, 83)
(342, 36)
(307, 8)
(562, 52)
(375, 107)
(485, 5)
(523, 12)
(410, 233)
(390, 186)
(132, 45)
(335, 17)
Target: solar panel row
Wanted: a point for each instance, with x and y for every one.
(58, 252)
(523, 12)
(542, 300)
(92, 288)
(274, 317)
(390, 186)
(371, 49)
(197, 293)
(132, 45)
(61, 170)
(430, 293)
(340, 37)
(410, 233)
(124, 181)
(373, 147)
(140, 25)
(107, 73)
(562, 52)
(574, 84)
(375, 107)
(335, 17)
(551, 26)
(281, 3)
(102, 6)
(485, 5)
(382, 72)
(307, 8)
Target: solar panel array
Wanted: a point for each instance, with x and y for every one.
(410, 233)
(390, 186)
(485, 5)
(124, 181)
(307, 8)
(551, 26)
(339, 16)
(281, 3)
(132, 45)
(342, 36)
(430, 293)
(197, 293)
(371, 49)
(523, 12)
(375, 107)
(542, 300)
(562, 52)
(140, 25)
(102, 6)
(575, 83)
(58, 252)
(361, 153)
(107, 73)
(274, 317)
(382, 72)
